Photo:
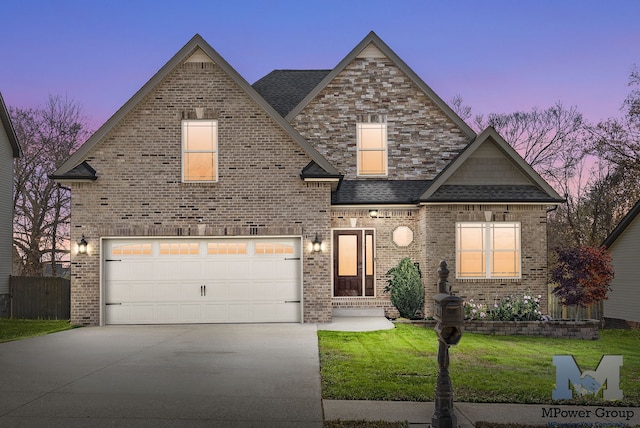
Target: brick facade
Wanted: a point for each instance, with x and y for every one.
(440, 241)
(139, 191)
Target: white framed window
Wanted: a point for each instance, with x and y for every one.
(131, 250)
(199, 151)
(372, 149)
(273, 248)
(179, 248)
(218, 248)
(488, 250)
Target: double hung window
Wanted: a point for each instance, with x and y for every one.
(372, 149)
(199, 151)
(488, 250)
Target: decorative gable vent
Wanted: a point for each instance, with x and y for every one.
(199, 56)
(371, 51)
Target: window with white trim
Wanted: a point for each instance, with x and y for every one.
(488, 250)
(372, 149)
(199, 151)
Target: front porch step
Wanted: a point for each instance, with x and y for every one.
(358, 312)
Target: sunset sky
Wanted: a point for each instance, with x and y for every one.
(500, 56)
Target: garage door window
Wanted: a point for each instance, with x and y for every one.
(178, 248)
(273, 248)
(216, 248)
(131, 250)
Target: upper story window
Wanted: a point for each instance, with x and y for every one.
(372, 149)
(488, 250)
(199, 151)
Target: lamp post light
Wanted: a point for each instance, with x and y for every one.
(449, 314)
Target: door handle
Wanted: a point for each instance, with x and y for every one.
(201, 290)
(205, 290)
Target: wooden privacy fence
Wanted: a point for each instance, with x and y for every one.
(40, 298)
(557, 311)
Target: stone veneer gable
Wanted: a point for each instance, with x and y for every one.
(422, 140)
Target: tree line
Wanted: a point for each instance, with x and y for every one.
(596, 167)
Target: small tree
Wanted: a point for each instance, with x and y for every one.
(407, 291)
(583, 275)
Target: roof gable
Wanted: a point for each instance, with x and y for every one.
(373, 46)
(197, 49)
(492, 156)
(622, 226)
(8, 128)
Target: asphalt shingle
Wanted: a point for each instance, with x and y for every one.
(379, 192)
(284, 89)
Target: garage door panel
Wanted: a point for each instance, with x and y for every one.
(215, 312)
(212, 281)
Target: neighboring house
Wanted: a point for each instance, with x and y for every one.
(9, 149)
(206, 199)
(621, 305)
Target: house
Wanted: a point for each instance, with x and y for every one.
(206, 199)
(621, 305)
(9, 149)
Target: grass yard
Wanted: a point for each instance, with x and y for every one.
(11, 329)
(401, 365)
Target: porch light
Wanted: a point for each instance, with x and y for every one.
(82, 245)
(373, 213)
(316, 244)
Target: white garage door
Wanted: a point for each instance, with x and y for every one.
(168, 281)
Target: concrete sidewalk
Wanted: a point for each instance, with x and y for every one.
(468, 414)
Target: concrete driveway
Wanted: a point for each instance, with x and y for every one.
(233, 375)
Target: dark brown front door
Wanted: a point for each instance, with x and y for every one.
(353, 263)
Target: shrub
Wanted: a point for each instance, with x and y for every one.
(405, 286)
(511, 308)
(583, 275)
(474, 311)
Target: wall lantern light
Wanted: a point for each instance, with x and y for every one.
(82, 245)
(373, 213)
(316, 244)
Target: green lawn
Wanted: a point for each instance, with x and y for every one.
(11, 329)
(401, 364)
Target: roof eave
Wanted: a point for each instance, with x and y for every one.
(196, 42)
(622, 226)
(8, 127)
(490, 132)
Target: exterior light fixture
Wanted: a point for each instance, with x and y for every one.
(82, 245)
(373, 213)
(316, 244)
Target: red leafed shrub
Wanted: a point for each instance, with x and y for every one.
(583, 275)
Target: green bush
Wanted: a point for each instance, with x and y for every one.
(407, 291)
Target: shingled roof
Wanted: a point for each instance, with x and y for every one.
(490, 193)
(284, 89)
(355, 192)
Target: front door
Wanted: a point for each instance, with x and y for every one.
(353, 263)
